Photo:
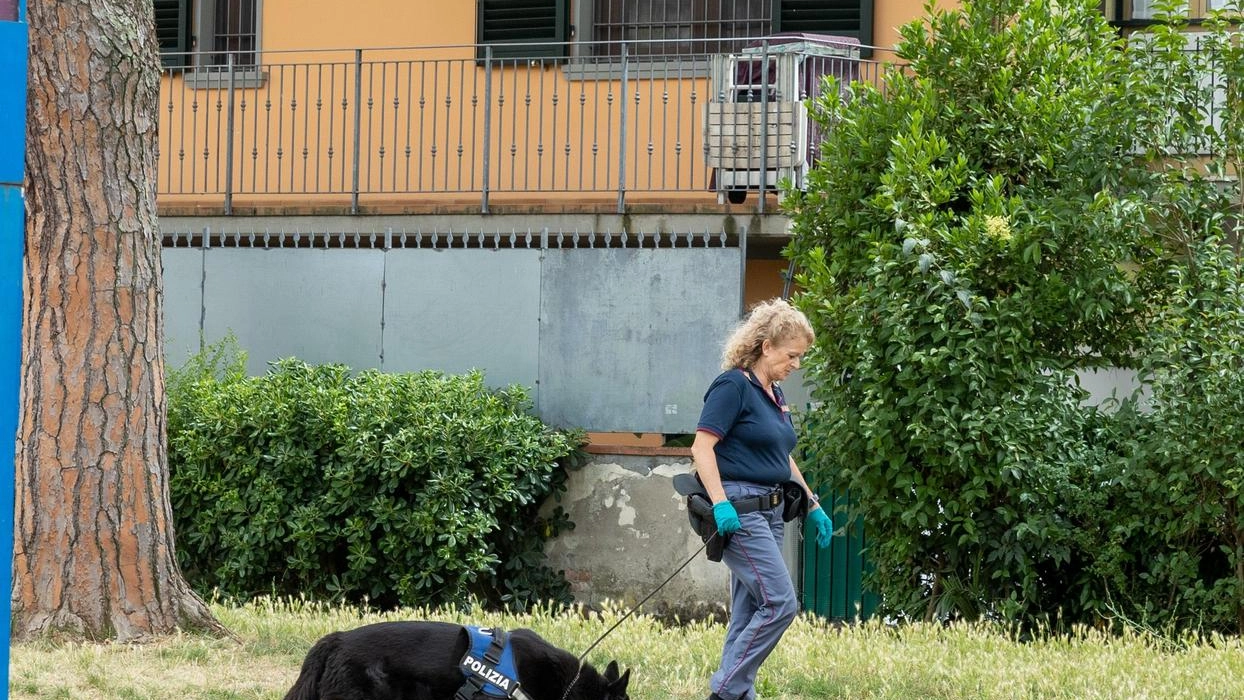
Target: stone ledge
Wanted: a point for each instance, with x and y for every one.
(638, 451)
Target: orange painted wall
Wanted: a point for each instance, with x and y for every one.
(764, 280)
(330, 24)
(889, 15)
(422, 131)
(292, 136)
(326, 24)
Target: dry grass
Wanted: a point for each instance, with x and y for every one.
(813, 661)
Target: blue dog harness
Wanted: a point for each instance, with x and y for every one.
(488, 667)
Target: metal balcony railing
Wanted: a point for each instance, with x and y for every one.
(353, 126)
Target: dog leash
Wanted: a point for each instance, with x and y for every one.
(645, 600)
(630, 612)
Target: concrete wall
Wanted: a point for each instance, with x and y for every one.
(631, 533)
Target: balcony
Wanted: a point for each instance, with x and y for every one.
(453, 128)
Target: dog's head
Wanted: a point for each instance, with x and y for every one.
(616, 690)
(609, 686)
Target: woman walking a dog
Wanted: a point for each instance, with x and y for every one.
(742, 455)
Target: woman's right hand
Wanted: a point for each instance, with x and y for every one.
(727, 518)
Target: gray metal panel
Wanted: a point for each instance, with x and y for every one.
(630, 339)
(183, 303)
(457, 310)
(320, 306)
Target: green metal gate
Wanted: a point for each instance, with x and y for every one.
(833, 577)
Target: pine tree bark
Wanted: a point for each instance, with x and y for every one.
(93, 552)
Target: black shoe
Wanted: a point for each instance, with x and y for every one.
(715, 696)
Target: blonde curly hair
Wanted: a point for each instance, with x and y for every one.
(774, 320)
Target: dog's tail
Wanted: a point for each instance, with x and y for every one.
(307, 687)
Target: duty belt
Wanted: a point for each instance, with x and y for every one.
(764, 501)
(700, 508)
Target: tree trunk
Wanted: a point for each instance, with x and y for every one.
(93, 529)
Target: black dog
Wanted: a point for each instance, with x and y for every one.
(419, 661)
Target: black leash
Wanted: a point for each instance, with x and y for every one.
(638, 605)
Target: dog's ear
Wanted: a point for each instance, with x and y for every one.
(617, 687)
(611, 672)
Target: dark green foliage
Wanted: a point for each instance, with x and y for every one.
(394, 489)
(1169, 542)
(973, 233)
(1033, 195)
(1179, 528)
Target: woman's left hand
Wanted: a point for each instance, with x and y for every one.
(824, 526)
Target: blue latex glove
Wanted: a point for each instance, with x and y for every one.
(727, 518)
(824, 527)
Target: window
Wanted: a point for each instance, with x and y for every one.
(211, 28)
(1203, 107)
(1142, 10)
(509, 24)
(676, 28)
(1145, 9)
(228, 26)
(172, 25)
(661, 27)
(839, 17)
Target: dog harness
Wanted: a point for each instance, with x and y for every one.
(488, 667)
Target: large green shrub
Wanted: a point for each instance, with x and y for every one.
(1177, 554)
(972, 233)
(397, 489)
(1033, 194)
(1179, 532)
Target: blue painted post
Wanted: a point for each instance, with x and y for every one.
(14, 42)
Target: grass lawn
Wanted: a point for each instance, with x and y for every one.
(813, 660)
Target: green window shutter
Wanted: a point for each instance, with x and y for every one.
(504, 22)
(172, 25)
(853, 18)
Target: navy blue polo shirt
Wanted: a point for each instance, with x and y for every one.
(755, 433)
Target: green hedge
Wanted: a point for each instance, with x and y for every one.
(389, 489)
(1011, 206)
(967, 239)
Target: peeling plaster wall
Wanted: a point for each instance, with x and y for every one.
(631, 532)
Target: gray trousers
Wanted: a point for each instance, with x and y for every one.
(763, 602)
